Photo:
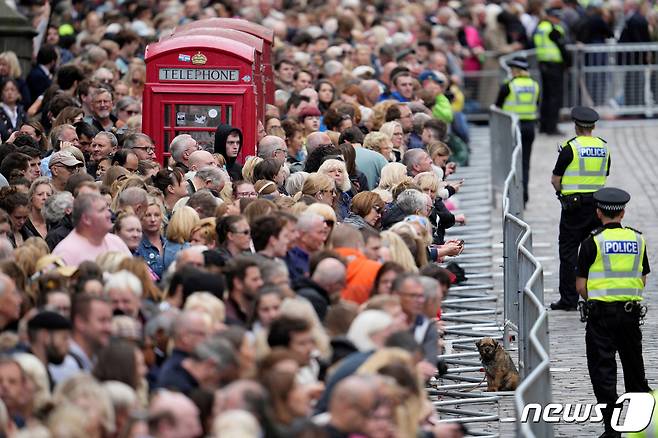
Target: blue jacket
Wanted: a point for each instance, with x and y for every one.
(157, 262)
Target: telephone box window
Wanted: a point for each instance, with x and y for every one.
(198, 116)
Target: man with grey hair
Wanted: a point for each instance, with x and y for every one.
(325, 285)
(57, 213)
(135, 198)
(272, 146)
(315, 140)
(6, 250)
(101, 108)
(141, 145)
(333, 71)
(91, 236)
(174, 415)
(60, 136)
(371, 89)
(211, 363)
(181, 147)
(210, 178)
(200, 159)
(103, 146)
(417, 161)
(313, 232)
(409, 287)
(411, 201)
(124, 290)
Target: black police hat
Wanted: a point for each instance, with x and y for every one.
(584, 116)
(518, 62)
(611, 198)
(49, 320)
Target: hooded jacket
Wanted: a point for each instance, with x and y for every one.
(233, 168)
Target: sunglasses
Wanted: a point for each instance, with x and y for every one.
(329, 223)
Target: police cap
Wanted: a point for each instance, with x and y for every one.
(611, 199)
(554, 12)
(584, 116)
(49, 320)
(518, 62)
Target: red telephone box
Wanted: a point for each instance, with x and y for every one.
(267, 35)
(194, 84)
(248, 39)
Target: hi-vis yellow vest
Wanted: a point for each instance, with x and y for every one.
(616, 274)
(547, 50)
(587, 171)
(522, 98)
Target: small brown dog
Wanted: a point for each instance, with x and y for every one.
(498, 366)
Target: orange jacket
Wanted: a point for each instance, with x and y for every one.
(361, 273)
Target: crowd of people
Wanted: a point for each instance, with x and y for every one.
(295, 293)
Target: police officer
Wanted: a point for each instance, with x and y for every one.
(549, 41)
(612, 270)
(581, 169)
(520, 96)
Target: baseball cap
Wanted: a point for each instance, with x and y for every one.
(65, 158)
(433, 75)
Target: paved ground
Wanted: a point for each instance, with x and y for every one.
(635, 169)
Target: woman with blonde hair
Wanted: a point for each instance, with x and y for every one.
(392, 175)
(319, 186)
(248, 168)
(204, 233)
(181, 224)
(394, 132)
(395, 250)
(110, 261)
(336, 169)
(84, 392)
(379, 142)
(10, 67)
(208, 304)
(36, 372)
(69, 116)
(40, 190)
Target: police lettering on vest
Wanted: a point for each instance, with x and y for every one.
(593, 152)
(621, 247)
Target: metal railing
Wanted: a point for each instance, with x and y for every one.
(523, 294)
(615, 79)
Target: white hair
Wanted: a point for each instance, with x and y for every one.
(365, 325)
(308, 221)
(411, 201)
(295, 182)
(332, 164)
(124, 280)
(121, 395)
(236, 424)
(178, 145)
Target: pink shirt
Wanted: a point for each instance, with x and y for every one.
(75, 249)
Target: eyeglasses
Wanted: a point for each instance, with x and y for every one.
(329, 223)
(377, 208)
(131, 112)
(280, 151)
(322, 192)
(413, 296)
(137, 82)
(148, 149)
(246, 194)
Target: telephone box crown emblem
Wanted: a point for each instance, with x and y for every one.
(199, 59)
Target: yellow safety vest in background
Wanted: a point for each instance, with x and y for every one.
(587, 171)
(522, 98)
(547, 50)
(616, 274)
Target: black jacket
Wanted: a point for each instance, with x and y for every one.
(59, 232)
(316, 294)
(233, 168)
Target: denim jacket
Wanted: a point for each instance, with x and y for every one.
(159, 263)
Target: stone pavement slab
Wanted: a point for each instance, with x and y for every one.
(634, 167)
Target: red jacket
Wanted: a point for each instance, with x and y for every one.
(361, 273)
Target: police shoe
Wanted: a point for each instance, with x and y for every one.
(561, 305)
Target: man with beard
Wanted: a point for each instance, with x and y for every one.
(49, 334)
(243, 279)
(101, 106)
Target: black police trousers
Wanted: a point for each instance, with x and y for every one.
(607, 333)
(575, 226)
(527, 128)
(552, 84)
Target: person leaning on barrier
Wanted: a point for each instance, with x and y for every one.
(582, 167)
(611, 275)
(520, 96)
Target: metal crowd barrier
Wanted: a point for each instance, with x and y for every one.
(471, 310)
(524, 311)
(615, 79)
